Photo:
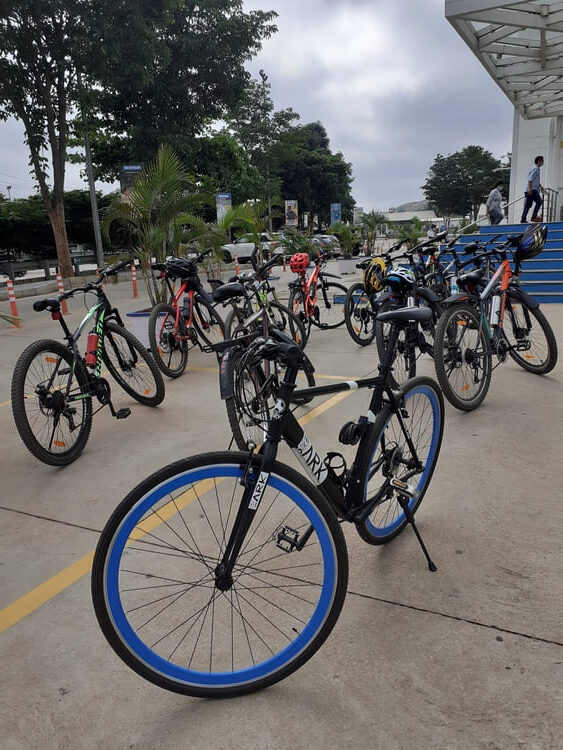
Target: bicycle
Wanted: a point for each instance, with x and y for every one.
(474, 325)
(324, 311)
(223, 573)
(53, 384)
(254, 294)
(172, 326)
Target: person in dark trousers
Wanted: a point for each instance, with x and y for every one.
(494, 204)
(532, 194)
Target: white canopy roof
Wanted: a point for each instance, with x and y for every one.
(521, 46)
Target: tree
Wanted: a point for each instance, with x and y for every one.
(371, 224)
(310, 173)
(459, 183)
(196, 75)
(411, 233)
(163, 191)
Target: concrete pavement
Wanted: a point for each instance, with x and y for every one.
(468, 657)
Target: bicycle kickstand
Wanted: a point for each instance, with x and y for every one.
(404, 503)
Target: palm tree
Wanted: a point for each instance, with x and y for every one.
(163, 191)
(412, 232)
(371, 224)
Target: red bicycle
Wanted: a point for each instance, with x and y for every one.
(312, 298)
(174, 325)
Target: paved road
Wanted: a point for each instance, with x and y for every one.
(468, 657)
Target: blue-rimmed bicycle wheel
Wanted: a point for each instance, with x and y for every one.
(154, 578)
(404, 445)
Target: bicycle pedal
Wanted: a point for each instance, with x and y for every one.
(122, 413)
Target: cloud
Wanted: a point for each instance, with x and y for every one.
(392, 83)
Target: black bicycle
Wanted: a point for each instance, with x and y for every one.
(223, 573)
(53, 384)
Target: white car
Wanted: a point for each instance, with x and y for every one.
(244, 246)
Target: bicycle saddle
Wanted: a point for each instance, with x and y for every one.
(181, 268)
(472, 277)
(228, 291)
(406, 315)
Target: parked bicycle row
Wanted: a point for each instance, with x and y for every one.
(225, 572)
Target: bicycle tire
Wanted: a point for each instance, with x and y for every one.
(518, 327)
(296, 304)
(331, 300)
(207, 322)
(404, 360)
(177, 511)
(359, 315)
(287, 322)
(24, 403)
(463, 380)
(259, 398)
(168, 348)
(422, 401)
(150, 389)
(234, 322)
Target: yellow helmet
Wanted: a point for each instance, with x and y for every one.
(374, 275)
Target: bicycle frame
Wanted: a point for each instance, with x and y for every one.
(308, 286)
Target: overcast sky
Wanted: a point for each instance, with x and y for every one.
(392, 83)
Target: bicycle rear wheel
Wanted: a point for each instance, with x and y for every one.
(462, 357)
(168, 340)
(404, 445)
(51, 402)
(131, 365)
(282, 319)
(359, 314)
(529, 330)
(331, 299)
(155, 588)
(404, 360)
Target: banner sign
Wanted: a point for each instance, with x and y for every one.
(127, 176)
(335, 212)
(223, 203)
(291, 214)
(358, 215)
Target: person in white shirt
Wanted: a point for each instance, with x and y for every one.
(532, 194)
(494, 204)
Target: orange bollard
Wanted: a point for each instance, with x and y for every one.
(64, 307)
(237, 269)
(134, 281)
(12, 300)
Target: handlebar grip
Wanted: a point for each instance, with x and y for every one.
(40, 305)
(112, 270)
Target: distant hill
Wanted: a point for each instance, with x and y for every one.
(414, 206)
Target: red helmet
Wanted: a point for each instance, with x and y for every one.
(299, 262)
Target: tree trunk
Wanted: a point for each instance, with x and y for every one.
(57, 219)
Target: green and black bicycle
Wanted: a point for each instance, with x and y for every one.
(53, 384)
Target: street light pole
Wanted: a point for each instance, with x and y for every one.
(9, 188)
(264, 78)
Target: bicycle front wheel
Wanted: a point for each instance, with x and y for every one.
(168, 340)
(154, 583)
(331, 298)
(297, 305)
(207, 322)
(528, 331)
(462, 357)
(359, 315)
(51, 402)
(404, 445)
(131, 365)
(282, 319)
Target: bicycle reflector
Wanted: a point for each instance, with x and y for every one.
(299, 262)
(374, 275)
(531, 243)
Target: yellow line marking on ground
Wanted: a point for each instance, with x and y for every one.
(47, 590)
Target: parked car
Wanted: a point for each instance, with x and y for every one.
(328, 244)
(243, 247)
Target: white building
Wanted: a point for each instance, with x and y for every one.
(521, 46)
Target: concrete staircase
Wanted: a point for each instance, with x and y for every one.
(542, 276)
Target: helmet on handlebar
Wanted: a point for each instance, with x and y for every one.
(374, 275)
(531, 243)
(299, 262)
(400, 279)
